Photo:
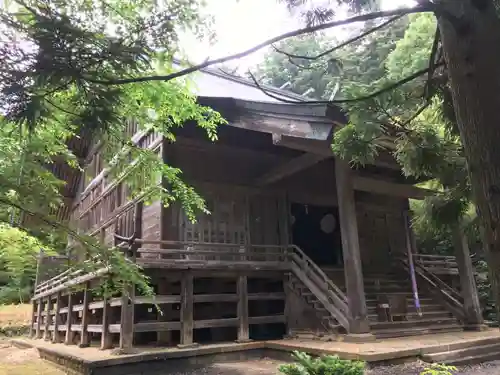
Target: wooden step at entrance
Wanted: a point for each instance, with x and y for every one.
(413, 316)
(413, 323)
(432, 307)
(415, 331)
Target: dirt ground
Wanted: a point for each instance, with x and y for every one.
(15, 361)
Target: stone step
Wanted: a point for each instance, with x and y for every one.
(372, 309)
(475, 359)
(413, 323)
(462, 355)
(398, 332)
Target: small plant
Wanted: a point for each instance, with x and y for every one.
(438, 369)
(325, 365)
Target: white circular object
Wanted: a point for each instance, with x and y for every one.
(328, 223)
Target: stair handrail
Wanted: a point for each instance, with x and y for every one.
(429, 261)
(450, 296)
(437, 280)
(336, 294)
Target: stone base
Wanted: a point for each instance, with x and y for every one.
(243, 341)
(475, 327)
(187, 346)
(121, 351)
(83, 345)
(359, 337)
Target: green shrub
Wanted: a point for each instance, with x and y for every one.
(325, 365)
(438, 369)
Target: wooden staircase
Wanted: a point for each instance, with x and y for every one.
(311, 284)
(329, 302)
(434, 317)
(327, 321)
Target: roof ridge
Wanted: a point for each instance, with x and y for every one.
(245, 81)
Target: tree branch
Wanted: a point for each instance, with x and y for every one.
(432, 64)
(341, 45)
(388, 88)
(306, 30)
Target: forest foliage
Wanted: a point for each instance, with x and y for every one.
(86, 68)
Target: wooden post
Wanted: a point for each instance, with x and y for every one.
(243, 328)
(164, 337)
(68, 340)
(46, 333)
(359, 327)
(84, 334)
(38, 332)
(106, 339)
(127, 319)
(186, 310)
(56, 337)
(33, 317)
(472, 307)
(128, 297)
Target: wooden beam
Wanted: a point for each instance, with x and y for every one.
(320, 148)
(164, 337)
(56, 337)
(38, 332)
(47, 318)
(472, 308)
(106, 339)
(358, 319)
(84, 335)
(68, 340)
(377, 186)
(243, 327)
(127, 319)
(33, 318)
(289, 168)
(186, 310)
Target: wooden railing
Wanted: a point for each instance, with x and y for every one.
(442, 291)
(178, 253)
(437, 264)
(331, 296)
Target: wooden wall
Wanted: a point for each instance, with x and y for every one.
(240, 212)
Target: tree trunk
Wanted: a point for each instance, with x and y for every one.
(470, 31)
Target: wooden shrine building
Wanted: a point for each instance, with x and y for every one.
(296, 241)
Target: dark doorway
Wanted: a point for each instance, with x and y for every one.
(316, 231)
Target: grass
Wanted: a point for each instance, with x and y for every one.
(15, 315)
(14, 319)
(31, 367)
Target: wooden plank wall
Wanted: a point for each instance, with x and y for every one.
(102, 198)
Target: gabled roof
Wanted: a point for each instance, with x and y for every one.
(241, 96)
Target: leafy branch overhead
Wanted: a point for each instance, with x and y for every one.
(50, 53)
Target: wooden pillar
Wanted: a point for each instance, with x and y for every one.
(84, 334)
(243, 328)
(127, 319)
(48, 318)
(38, 332)
(33, 317)
(472, 307)
(164, 337)
(359, 327)
(56, 337)
(106, 338)
(68, 340)
(186, 310)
